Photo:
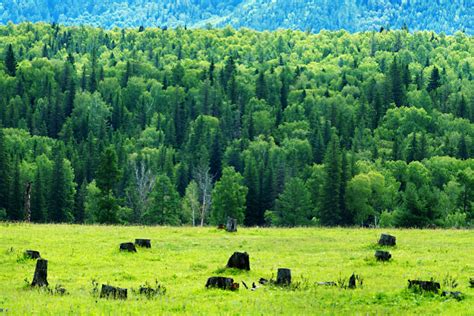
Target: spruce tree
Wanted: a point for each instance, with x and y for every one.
(396, 81)
(435, 80)
(58, 208)
(10, 61)
(330, 212)
(4, 172)
(38, 200)
(14, 211)
(108, 174)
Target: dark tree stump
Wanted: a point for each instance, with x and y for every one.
(222, 283)
(108, 291)
(457, 295)
(283, 276)
(429, 286)
(231, 225)
(382, 255)
(471, 282)
(221, 226)
(128, 246)
(239, 260)
(387, 240)
(32, 254)
(263, 281)
(41, 273)
(328, 283)
(145, 243)
(352, 281)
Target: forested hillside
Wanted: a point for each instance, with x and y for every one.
(276, 128)
(313, 15)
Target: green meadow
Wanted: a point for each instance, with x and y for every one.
(182, 259)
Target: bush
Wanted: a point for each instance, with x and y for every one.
(455, 220)
(387, 219)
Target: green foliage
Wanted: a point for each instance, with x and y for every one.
(126, 106)
(228, 197)
(164, 207)
(293, 206)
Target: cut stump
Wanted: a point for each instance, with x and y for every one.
(283, 276)
(387, 240)
(381, 255)
(128, 246)
(231, 225)
(239, 260)
(145, 243)
(222, 283)
(108, 291)
(429, 286)
(32, 254)
(41, 273)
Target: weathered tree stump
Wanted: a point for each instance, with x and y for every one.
(471, 282)
(283, 276)
(263, 281)
(108, 291)
(32, 254)
(381, 255)
(387, 240)
(222, 283)
(41, 273)
(239, 260)
(352, 281)
(221, 226)
(429, 286)
(145, 243)
(128, 246)
(231, 225)
(328, 283)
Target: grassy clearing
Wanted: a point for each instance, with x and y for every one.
(182, 259)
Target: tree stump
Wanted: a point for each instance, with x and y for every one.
(128, 246)
(32, 254)
(263, 281)
(471, 282)
(381, 255)
(457, 295)
(221, 283)
(429, 286)
(221, 226)
(239, 260)
(145, 243)
(387, 240)
(108, 291)
(41, 273)
(283, 276)
(231, 225)
(352, 281)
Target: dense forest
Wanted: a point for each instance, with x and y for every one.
(284, 128)
(306, 15)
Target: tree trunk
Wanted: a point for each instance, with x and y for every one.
(381, 255)
(41, 273)
(222, 283)
(145, 243)
(128, 246)
(108, 291)
(32, 254)
(231, 225)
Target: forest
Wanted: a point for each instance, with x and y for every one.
(172, 126)
(305, 15)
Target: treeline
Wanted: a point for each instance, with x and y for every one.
(284, 128)
(308, 15)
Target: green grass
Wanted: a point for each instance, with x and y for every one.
(182, 259)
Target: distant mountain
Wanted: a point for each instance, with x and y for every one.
(446, 16)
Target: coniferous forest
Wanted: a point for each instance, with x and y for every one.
(286, 128)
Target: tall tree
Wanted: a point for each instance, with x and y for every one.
(108, 174)
(4, 172)
(165, 206)
(435, 80)
(293, 205)
(10, 61)
(228, 197)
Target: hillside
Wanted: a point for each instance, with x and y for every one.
(312, 15)
(281, 128)
(181, 260)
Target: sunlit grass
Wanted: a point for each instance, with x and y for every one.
(182, 259)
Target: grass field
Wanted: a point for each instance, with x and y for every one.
(182, 259)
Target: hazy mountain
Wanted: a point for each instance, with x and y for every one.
(314, 15)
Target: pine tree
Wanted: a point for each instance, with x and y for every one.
(293, 206)
(58, 208)
(80, 203)
(435, 80)
(216, 156)
(10, 61)
(4, 172)
(413, 149)
(330, 212)
(108, 174)
(38, 199)
(14, 211)
(396, 81)
(463, 152)
(164, 209)
(261, 86)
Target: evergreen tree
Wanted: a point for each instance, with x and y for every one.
(216, 156)
(261, 86)
(435, 80)
(4, 172)
(108, 174)
(38, 199)
(14, 210)
(463, 151)
(330, 212)
(59, 210)
(293, 206)
(10, 61)
(165, 206)
(396, 81)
